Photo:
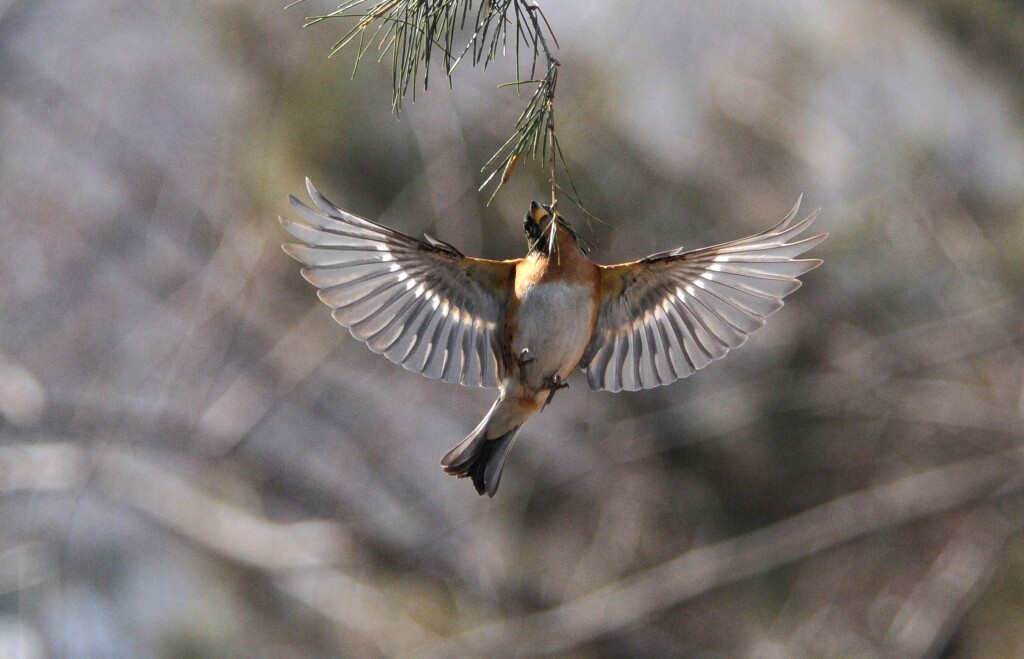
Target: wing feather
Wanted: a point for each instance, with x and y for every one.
(422, 304)
(671, 314)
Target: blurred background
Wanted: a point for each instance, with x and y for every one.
(196, 461)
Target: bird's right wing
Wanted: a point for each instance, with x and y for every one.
(422, 304)
(672, 313)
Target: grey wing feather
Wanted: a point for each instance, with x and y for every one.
(421, 304)
(674, 312)
(440, 244)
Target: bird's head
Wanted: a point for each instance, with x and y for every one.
(545, 226)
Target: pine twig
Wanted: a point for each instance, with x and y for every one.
(411, 30)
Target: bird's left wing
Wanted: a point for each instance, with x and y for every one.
(672, 313)
(422, 304)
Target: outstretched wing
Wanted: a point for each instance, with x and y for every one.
(672, 313)
(423, 305)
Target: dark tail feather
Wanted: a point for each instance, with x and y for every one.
(480, 458)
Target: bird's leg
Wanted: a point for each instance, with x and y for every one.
(553, 384)
(522, 359)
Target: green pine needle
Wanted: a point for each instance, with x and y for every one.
(412, 31)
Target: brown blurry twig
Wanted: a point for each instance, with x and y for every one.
(923, 624)
(631, 600)
(300, 558)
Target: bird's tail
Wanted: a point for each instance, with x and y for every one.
(480, 458)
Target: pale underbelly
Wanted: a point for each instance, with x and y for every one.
(554, 326)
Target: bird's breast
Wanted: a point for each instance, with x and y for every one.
(553, 322)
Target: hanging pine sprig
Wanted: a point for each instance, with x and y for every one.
(412, 31)
(534, 131)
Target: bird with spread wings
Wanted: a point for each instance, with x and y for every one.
(524, 325)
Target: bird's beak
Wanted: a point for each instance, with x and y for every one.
(537, 212)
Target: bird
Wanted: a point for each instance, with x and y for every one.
(524, 325)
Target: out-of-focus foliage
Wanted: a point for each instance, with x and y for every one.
(195, 460)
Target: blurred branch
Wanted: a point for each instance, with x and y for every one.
(357, 606)
(26, 565)
(879, 359)
(631, 600)
(246, 400)
(232, 532)
(298, 556)
(923, 625)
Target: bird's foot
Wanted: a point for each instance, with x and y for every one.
(522, 359)
(553, 384)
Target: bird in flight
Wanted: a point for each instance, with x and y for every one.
(524, 325)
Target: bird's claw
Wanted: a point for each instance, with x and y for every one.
(524, 357)
(553, 384)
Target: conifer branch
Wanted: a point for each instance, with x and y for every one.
(412, 30)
